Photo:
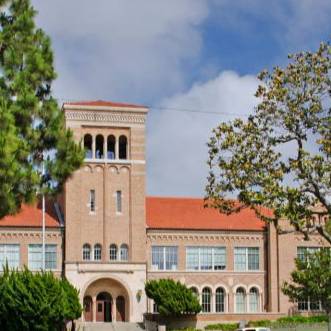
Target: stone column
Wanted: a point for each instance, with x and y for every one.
(93, 147)
(105, 147)
(117, 148)
(113, 310)
(94, 308)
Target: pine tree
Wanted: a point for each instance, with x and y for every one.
(32, 127)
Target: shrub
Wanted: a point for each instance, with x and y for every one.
(222, 326)
(36, 301)
(172, 298)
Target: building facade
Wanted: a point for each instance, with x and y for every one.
(108, 238)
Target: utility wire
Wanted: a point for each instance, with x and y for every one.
(187, 110)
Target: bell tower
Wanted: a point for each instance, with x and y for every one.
(104, 201)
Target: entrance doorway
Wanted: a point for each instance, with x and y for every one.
(104, 307)
(120, 309)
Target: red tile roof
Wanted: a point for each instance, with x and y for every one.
(189, 214)
(31, 216)
(102, 103)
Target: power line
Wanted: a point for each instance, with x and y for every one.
(177, 109)
(202, 111)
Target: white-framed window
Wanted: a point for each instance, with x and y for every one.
(164, 257)
(205, 258)
(206, 300)
(246, 258)
(303, 252)
(240, 300)
(112, 252)
(35, 256)
(92, 201)
(254, 300)
(124, 252)
(220, 300)
(10, 254)
(307, 305)
(97, 252)
(86, 252)
(119, 201)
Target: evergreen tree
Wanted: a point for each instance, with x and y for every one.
(36, 301)
(172, 298)
(32, 127)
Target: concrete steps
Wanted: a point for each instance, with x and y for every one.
(118, 326)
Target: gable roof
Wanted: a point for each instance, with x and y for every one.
(31, 216)
(190, 214)
(102, 103)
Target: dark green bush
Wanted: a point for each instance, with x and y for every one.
(36, 301)
(172, 298)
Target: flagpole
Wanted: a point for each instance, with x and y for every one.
(43, 222)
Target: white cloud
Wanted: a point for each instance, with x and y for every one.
(176, 145)
(122, 49)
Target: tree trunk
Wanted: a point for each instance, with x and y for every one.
(329, 322)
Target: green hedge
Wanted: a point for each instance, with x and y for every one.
(290, 321)
(222, 326)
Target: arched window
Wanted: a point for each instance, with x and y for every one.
(253, 300)
(206, 300)
(86, 252)
(124, 252)
(123, 146)
(111, 147)
(195, 291)
(88, 146)
(240, 300)
(112, 252)
(97, 252)
(220, 300)
(99, 147)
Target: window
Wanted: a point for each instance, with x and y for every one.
(307, 305)
(164, 257)
(123, 145)
(303, 252)
(111, 147)
(246, 258)
(206, 300)
(97, 252)
(10, 254)
(99, 147)
(86, 252)
(124, 252)
(35, 256)
(240, 300)
(253, 300)
(220, 300)
(92, 201)
(88, 146)
(118, 201)
(205, 258)
(113, 252)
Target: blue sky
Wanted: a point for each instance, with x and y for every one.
(183, 54)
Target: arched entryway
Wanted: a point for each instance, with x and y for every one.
(104, 307)
(106, 300)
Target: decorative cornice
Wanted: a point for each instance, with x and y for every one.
(99, 116)
(197, 237)
(27, 234)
